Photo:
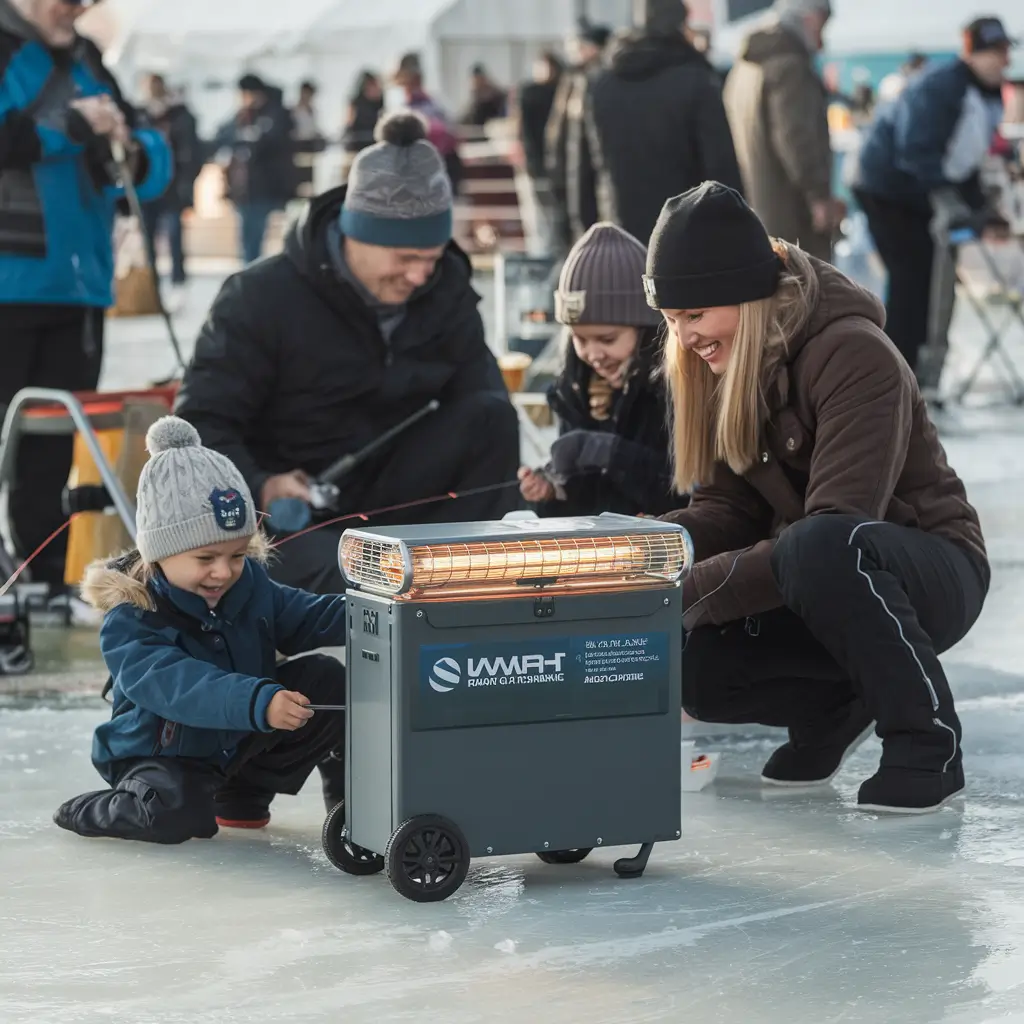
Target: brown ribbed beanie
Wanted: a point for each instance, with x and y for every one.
(602, 281)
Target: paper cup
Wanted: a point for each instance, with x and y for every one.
(513, 368)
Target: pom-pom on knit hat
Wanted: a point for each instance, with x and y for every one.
(189, 496)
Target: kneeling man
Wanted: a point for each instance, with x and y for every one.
(367, 316)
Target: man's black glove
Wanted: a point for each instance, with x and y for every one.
(99, 159)
(583, 451)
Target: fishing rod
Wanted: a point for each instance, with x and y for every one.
(124, 171)
(293, 515)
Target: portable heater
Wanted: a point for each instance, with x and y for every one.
(513, 687)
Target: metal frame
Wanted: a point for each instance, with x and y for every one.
(13, 428)
(996, 345)
(537, 440)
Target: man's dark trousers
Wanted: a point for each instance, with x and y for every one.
(57, 347)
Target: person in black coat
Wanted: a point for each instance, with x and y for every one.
(612, 454)
(534, 105)
(656, 123)
(567, 147)
(172, 118)
(364, 112)
(367, 316)
(261, 172)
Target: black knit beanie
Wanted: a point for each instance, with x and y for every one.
(709, 249)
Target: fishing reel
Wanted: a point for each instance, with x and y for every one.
(323, 497)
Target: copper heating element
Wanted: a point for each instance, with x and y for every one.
(439, 572)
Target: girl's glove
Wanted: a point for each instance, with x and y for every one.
(583, 451)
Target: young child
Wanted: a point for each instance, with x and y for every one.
(612, 454)
(205, 729)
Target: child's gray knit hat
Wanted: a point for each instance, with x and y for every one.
(189, 496)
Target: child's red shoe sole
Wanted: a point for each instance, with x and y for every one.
(252, 823)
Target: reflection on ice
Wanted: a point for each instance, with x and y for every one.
(795, 907)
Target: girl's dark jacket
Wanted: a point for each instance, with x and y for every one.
(621, 464)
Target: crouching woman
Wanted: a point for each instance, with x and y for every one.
(837, 554)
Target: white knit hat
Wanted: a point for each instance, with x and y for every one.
(189, 496)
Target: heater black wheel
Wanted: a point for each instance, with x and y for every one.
(342, 852)
(565, 856)
(427, 859)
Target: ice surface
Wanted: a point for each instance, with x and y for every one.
(774, 906)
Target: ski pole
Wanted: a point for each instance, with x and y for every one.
(120, 156)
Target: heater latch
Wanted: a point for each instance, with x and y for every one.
(543, 607)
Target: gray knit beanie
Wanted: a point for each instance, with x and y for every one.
(602, 281)
(189, 496)
(399, 193)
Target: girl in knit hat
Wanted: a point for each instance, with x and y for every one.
(837, 554)
(612, 454)
(206, 728)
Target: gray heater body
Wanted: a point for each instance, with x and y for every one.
(535, 723)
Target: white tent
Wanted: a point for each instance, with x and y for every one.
(205, 46)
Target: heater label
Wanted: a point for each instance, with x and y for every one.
(514, 682)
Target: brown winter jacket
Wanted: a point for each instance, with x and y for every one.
(846, 431)
(778, 112)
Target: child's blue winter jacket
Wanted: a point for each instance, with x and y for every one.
(191, 682)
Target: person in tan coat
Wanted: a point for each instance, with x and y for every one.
(778, 111)
(836, 552)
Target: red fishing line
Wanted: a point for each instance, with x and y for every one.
(398, 508)
(38, 551)
(312, 529)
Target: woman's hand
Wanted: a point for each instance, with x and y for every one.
(535, 486)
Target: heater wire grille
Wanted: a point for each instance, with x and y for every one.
(375, 564)
(380, 565)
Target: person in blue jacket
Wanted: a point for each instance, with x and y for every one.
(60, 110)
(206, 728)
(923, 155)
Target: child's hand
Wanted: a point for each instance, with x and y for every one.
(535, 486)
(288, 711)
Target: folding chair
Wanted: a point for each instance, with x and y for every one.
(45, 411)
(995, 347)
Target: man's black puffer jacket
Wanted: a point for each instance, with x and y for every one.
(657, 129)
(291, 370)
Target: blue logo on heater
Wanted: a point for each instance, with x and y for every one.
(445, 675)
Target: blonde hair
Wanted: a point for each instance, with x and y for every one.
(718, 419)
(123, 580)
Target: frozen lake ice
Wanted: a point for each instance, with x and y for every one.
(773, 907)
